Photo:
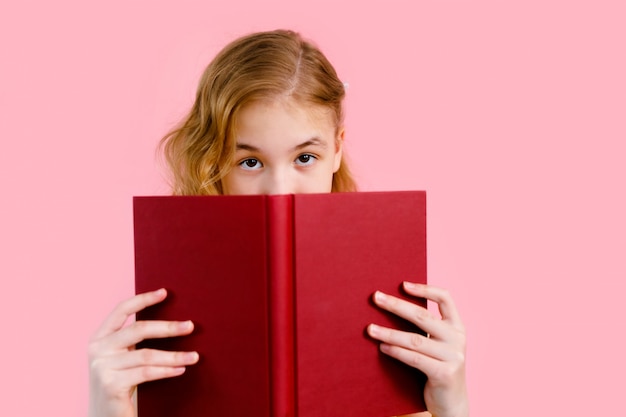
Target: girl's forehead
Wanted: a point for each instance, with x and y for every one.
(285, 110)
(279, 126)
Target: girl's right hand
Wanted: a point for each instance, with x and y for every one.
(116, 368)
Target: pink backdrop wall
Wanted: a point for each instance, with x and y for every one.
(510, 114)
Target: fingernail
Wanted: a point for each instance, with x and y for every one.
(192, 357)
(379, 296)
(185, 325)
(160, 292)
(373, 330)
(411, 285)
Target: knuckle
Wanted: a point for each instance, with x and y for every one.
(96, 367)
(392, 302)
(415, 340)
(416, 361)
(420, 315)
(173, 327)
(108, 383)
(122, 307)
(459, 357)
(179, 358)
(141, 327)
(148, 373)
(387, 334)
(104, 376)
(444, 374)
(147, 356)
(145, 373)
(449, 372)
(93, 350)
(444, 296)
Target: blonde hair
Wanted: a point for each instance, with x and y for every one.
(259, 66)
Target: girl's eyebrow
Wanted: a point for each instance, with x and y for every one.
(246, 147)
(310, 142)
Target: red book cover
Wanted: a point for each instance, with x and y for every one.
(279, 289)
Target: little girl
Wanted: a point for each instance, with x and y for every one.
(268, 119)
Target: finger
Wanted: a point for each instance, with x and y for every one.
(123, 371)
(153, 373)
(411, 341)
(417, 315)
(127, 308)
(135, 376)
(442, 297)
(439, 373)
(424, 363)
(146, 357)
(143, 330)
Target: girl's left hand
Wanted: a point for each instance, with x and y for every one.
(441, 355)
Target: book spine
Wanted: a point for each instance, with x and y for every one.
(281, 305)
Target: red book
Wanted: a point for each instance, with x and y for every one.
(280, 291)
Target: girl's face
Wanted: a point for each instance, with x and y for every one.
(283, 147)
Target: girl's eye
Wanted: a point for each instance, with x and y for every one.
(305, 159)
(251, 164)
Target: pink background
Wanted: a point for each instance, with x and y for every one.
(512, 115)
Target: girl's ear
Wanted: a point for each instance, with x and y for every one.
(338, 149)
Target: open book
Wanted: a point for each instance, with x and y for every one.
(279, 289)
